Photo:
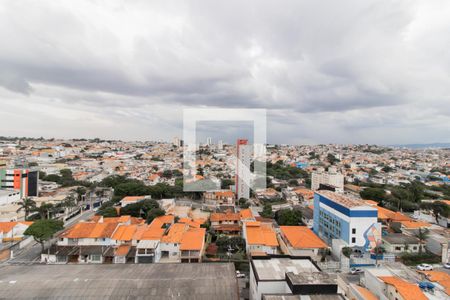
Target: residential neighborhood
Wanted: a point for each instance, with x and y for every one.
(346, 227)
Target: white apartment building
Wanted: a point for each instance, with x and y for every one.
(244, 152)
(332, 177)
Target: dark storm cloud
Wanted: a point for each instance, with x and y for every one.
(302, 60)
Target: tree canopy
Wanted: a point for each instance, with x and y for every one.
(43, 230)
(288, 217)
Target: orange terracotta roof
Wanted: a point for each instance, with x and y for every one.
(301, 237)
(246, 214)
(307, 193)
(166, 219)
(368, 295)
(228, 227)
(386, 214)
(175, 233)
(224, 194)
(8, 226)
(445, 201)
(253, 223)
(371, 202)
(90, 230)
(440, 277)
(132, 198)
(189, 222)
(124, 232)
(193, 239)
(261, 235)
(408, 291)
(153, 177)
(216, 217)
(103, 230)
(415, 224)
(122, 250)
(96, 218)
(151, 233)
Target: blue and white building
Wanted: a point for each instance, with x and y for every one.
(338, 216)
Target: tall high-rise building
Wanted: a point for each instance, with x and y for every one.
(23, 180)
(220, 145)
(332, 177)
(208, 141)
(244, 152)
(176, 142)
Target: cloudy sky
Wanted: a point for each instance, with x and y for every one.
(345, 71)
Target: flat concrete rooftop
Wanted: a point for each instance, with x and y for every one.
(276, 268)
(312, 278)
(129, 281)
(303, 297)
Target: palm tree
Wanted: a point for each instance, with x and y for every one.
(45, 210)
(28, 205)
(378, 250)
(422, 235)
(80, 191)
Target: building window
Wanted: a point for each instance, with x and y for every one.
(96, 257)
(353, 230)
(353, 240)
(398, 248)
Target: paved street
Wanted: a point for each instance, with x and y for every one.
(31, 253)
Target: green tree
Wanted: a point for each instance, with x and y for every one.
(107, 212)
(243, 203)
(153, 213)
(237, 243)
(27, 205)
(288, 217)
(45, 210)
(225, 183)
(422, 235)
(347, 251)
(332, 159)
(376, 194)
(387, 169)
(43, 230)
(377, 251)
(267, 211)
(80, 191)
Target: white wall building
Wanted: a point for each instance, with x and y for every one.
(287, 276)
(332, 177)
(338, 216)
(9, 196)
(244, 153)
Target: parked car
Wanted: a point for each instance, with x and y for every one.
(355, 271)
(239, 274)
(447, 265)
(424, 267)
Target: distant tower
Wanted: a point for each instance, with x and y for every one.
(243, 150)
(208, 141)
(220, 145)
(176, 142)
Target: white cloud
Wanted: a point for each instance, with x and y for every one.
(357, 71)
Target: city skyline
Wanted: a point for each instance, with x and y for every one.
(360, 72)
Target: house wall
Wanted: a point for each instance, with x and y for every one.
(392, 293)
(375, 285)
(400, 248)
(174, 250)
(266, 287)
(261, 248)
(85, 242)
(342, 220)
